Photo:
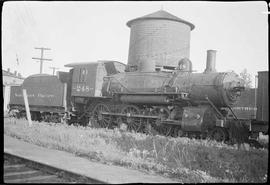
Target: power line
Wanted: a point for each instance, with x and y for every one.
(41, 58)
(32, 21)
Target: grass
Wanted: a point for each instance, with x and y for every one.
(183, 159)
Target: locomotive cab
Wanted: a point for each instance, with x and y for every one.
(87, 78)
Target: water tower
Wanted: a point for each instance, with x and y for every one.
(159, 37)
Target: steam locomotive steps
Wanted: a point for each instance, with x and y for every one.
(21, 170)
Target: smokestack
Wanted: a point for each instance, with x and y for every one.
(8, 70)
(15, 73)
(211, 61)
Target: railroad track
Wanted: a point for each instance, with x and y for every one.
(20, 170)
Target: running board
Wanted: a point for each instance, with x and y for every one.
(167, 121)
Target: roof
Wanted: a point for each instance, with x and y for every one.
(161, 14)
(39, 75)
(6, 73)
(74, 64)
(263, 71)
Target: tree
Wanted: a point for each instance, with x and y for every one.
(246, 77)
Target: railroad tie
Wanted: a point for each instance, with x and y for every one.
(31, 179)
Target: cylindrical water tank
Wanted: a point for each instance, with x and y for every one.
(160, 37)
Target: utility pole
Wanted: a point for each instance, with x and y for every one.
(41, 58)
(53, 68)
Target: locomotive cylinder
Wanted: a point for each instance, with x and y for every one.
(211, 61)
(144, 99)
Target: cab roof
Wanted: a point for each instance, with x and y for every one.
(75, 64)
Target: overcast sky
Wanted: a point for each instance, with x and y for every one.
(91, 31)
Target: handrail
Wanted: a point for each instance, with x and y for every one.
(233, 113)
(119, 83)
(215, 108)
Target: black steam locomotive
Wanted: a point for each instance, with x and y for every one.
(175, 102)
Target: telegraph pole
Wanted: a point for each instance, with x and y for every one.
(41, 58)
(54, 68)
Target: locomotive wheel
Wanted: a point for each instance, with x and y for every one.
(146, 123)
(178, 132)
(219, 134)
(165, 130)
(22, 114)
(255, 143)
(134, 124)
(163, 113)
(104, 121)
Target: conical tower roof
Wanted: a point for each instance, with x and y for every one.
(161, 14)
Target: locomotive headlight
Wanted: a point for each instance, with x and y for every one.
(185, 115)
(198, 116)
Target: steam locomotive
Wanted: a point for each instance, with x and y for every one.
(174, 102)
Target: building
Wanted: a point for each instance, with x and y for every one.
(9, 79)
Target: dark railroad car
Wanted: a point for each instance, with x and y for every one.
(253, 103)
(245, 108)
(261, 123)
(262, 97)
(46, 94)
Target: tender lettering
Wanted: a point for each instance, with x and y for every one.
(39, 95)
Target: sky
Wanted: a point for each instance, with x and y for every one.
(90, 31)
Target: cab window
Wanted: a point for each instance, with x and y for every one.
(83, 74)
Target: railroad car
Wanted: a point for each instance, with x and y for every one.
(46, 96)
